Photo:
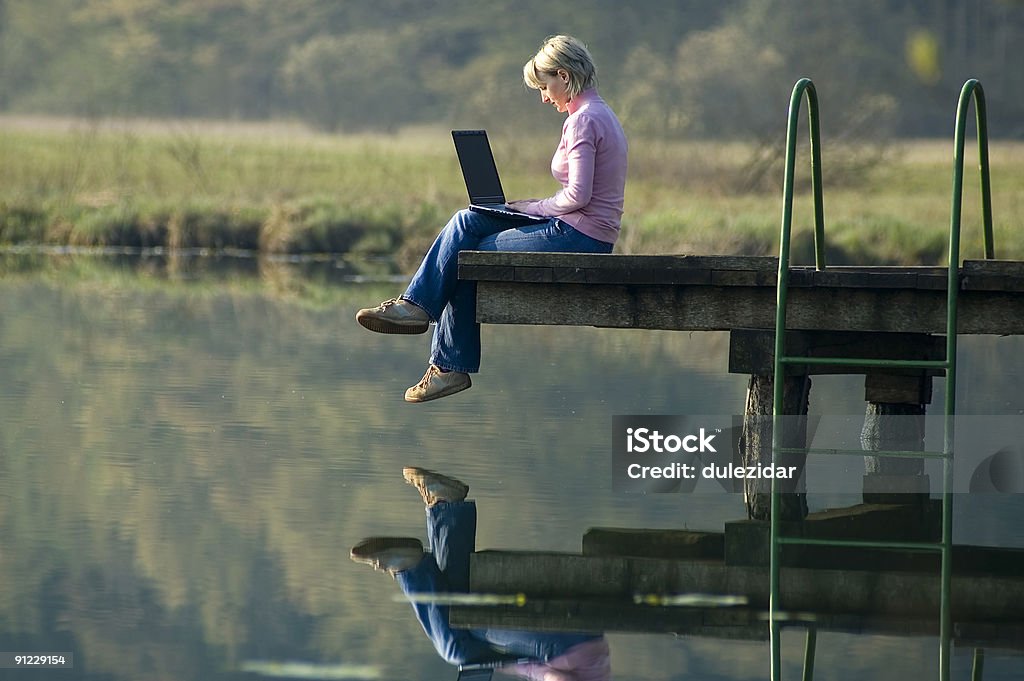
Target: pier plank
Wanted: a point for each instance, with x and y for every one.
(713, 293)
(1013, 268)
(722, 308)
(547, 576)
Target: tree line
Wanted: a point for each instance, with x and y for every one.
(684, 69)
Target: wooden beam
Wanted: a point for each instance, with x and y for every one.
(752, 351)
(891, 388)
(749, 624)
(746, 541)
(546, 576)
(613, 541)
(718, 308)
(707, 293)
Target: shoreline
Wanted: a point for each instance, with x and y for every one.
(280, 190)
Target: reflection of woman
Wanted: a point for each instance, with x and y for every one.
(451, 532)
(589, 163)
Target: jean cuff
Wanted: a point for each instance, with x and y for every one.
(409, 576)
(444, 366)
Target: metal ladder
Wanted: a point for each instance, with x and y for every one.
(972, 88)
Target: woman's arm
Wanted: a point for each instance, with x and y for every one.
(536, 671)
(580, 144)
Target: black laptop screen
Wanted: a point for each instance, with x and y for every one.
(476, 675)
(478, 167)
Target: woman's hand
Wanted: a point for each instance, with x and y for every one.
(527, 206)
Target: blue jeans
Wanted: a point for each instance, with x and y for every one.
(451, 533)
(452, 303)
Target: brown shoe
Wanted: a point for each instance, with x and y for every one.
(394, 316)
(435, 487)
(390, 554)
(436, 383)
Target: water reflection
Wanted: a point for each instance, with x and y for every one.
(187, 455)
(430, 578)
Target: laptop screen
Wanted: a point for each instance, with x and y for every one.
(478, 167)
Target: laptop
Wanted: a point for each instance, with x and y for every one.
(481, 176)
(484, 670)
(475, 674)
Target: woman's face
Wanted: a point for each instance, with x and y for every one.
(554, 89)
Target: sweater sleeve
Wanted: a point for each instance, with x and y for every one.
(537, 671)
(580, 142)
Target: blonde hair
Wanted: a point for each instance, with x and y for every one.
(562, 52)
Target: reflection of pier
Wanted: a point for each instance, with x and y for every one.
(833, 589)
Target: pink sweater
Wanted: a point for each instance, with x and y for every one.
(590, 164)
(588, 661)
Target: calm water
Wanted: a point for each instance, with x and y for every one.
(188, 451)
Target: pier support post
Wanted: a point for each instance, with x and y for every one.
(755, 443)
(894, 420)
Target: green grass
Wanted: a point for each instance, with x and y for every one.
(281, 189)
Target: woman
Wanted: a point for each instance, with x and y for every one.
(589, 163)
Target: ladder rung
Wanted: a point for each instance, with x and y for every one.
(864, 544)
(885, 363)
(892, 453)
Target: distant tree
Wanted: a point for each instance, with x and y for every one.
(719, 83)
(352, 82)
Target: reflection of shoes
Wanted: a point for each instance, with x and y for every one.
(436, 383)
(435, 487)
(394, 316)
(391, 554)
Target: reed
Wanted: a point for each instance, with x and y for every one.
(283, 189)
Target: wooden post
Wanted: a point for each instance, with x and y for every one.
(756, 445)
(895, 421)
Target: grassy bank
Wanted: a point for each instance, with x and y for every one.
(281, 189)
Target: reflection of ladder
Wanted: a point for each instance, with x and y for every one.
(948, 365)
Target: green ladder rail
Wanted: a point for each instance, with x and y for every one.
(804, 86)
(971, 89)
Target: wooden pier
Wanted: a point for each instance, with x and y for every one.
(726, 293)
(856, 312)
